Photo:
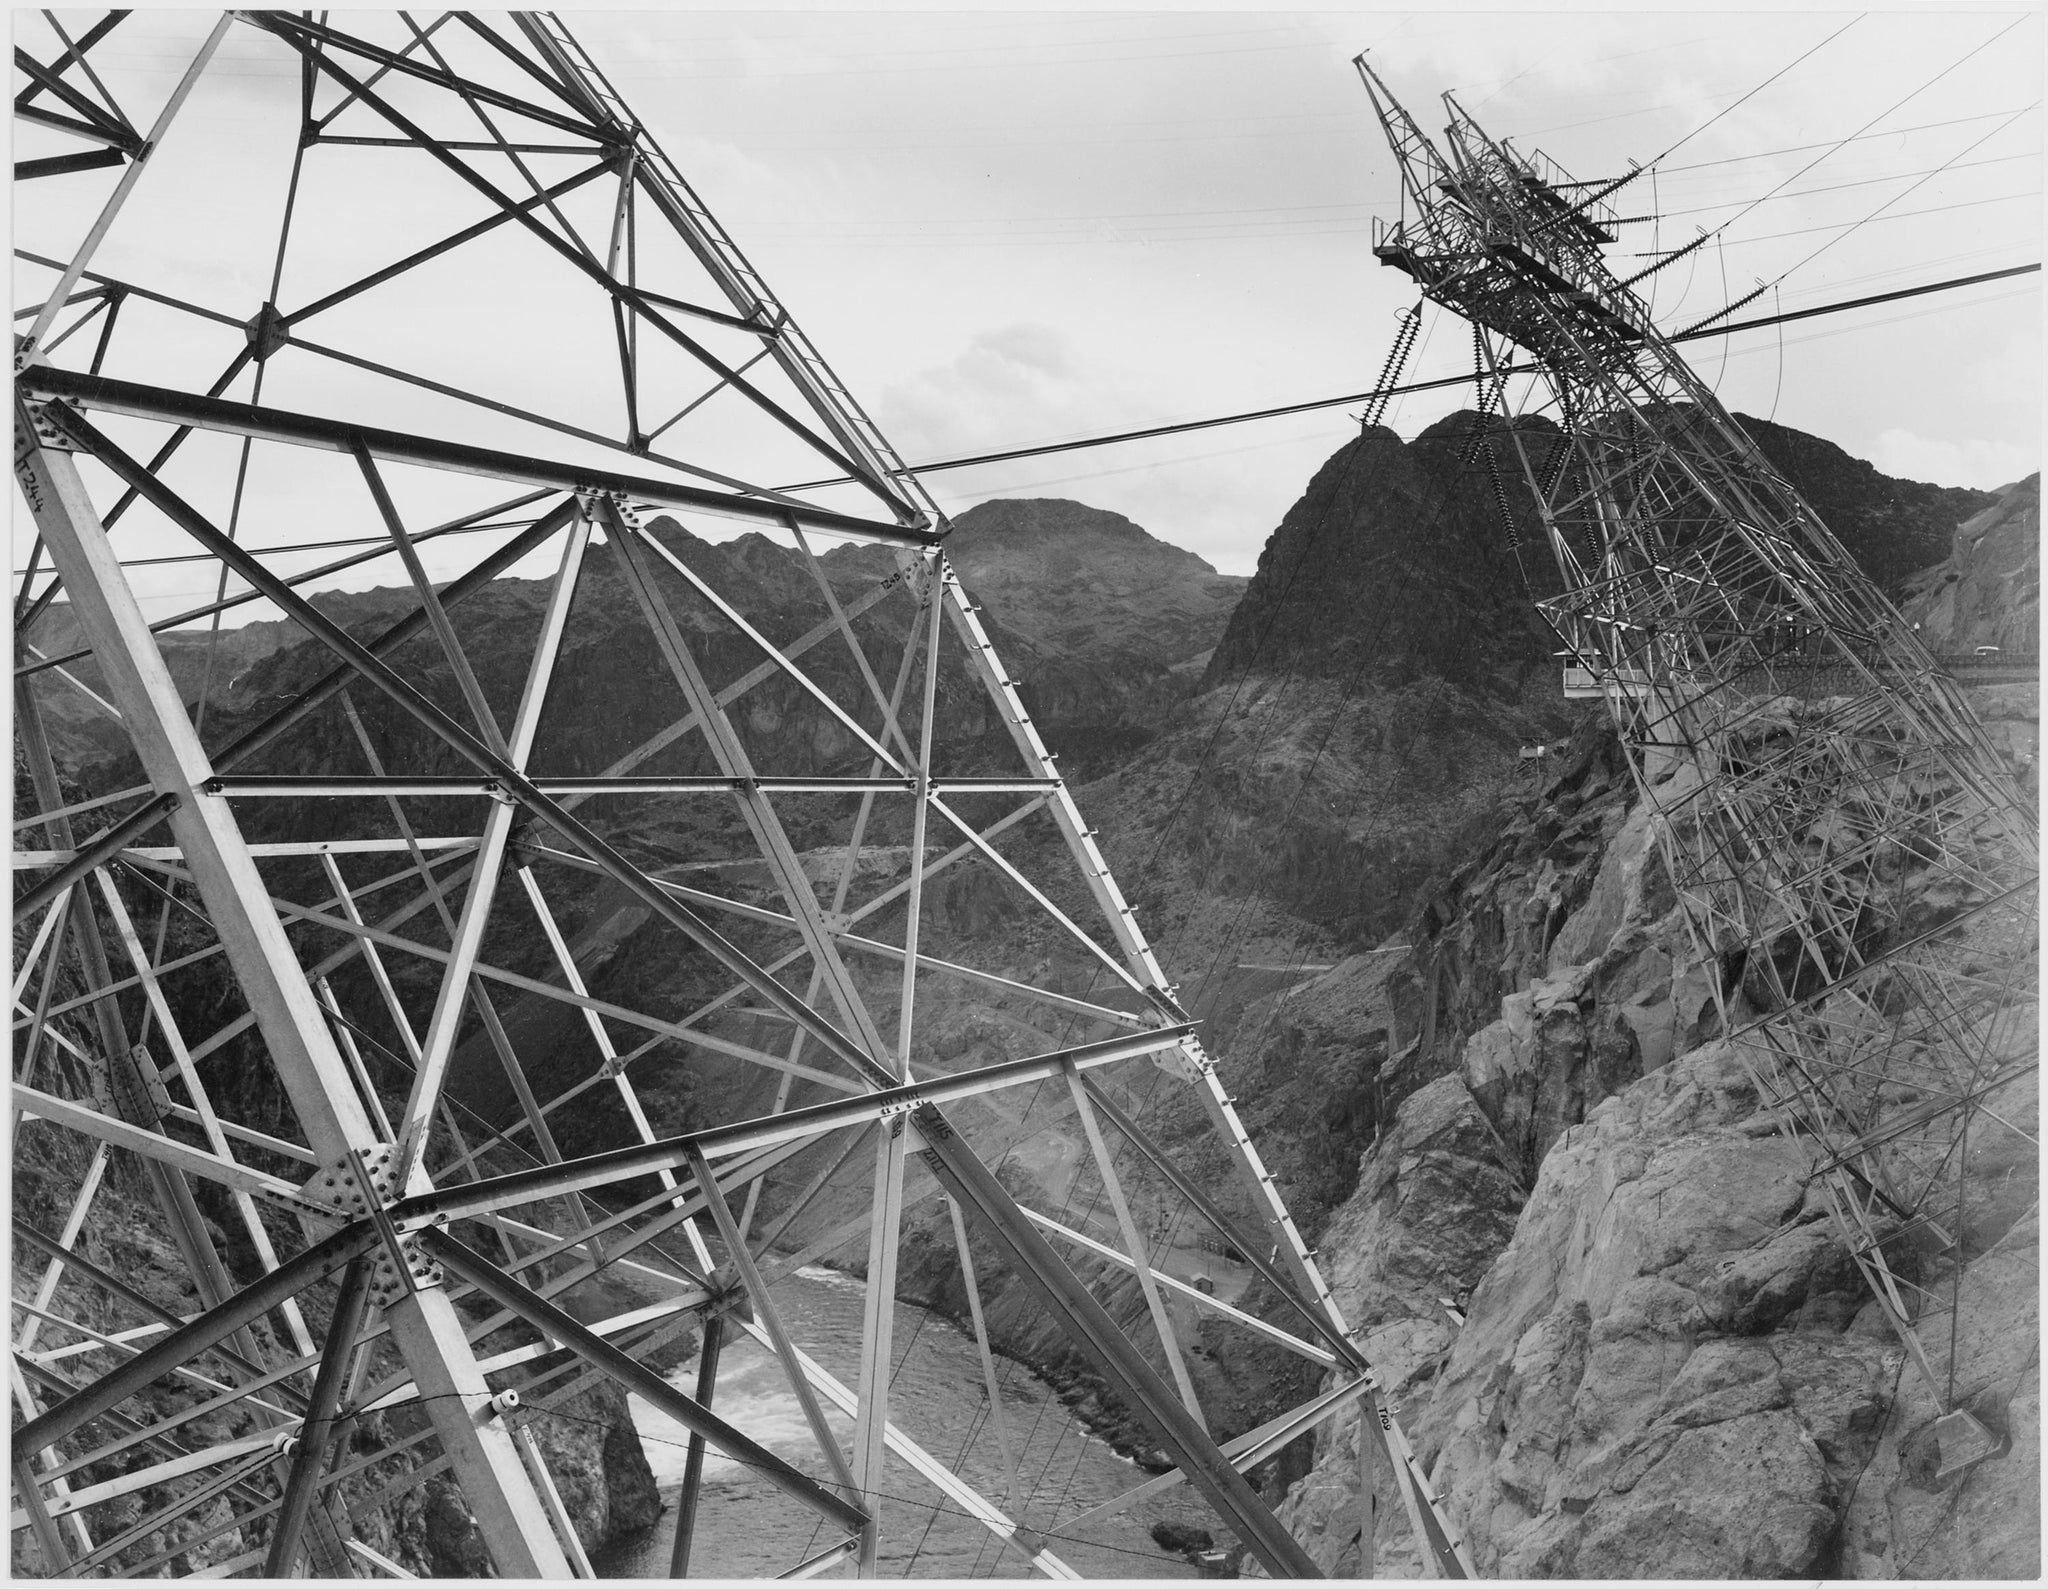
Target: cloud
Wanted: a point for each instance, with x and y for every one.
(1020, 380)
(1985, 465)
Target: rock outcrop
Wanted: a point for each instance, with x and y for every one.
(1986, 590)
(1395, 564)
(1621, 1330)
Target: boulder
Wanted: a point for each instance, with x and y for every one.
(1434, 1205)
(1611, 1406)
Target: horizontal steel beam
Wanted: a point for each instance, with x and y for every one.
(88, 856)
(58, 165)
(34, 1104)
(240, 786)
(136, 400)
(673, 1153)
(24, 859)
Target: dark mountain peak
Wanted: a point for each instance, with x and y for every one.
(751, 571)
(1090, 585)
(998, 530)
(1395, 560)
(1396, 557)
(1462, 425)
(1042, 516)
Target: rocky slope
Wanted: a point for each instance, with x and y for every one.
(1356, 742)
(1108, 627)
(1361, 717)
(1395, 565)
(1622, 1332)
(200, 663)
(1400, 552)
(1104, 628)
(1077, 582)
(1986, 590)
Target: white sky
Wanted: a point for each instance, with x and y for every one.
(1008, 228)
(1005, 228)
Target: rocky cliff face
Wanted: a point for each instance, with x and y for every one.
(1358, 721)
(1421, 959)
(1618, 1324)
(1402, 554)
(1107, 626)
(1987, 592)
(1986, 589)
(1077, 582)
(200, 663)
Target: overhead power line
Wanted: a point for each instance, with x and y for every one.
(1602, 192)
(1874, 120)
(1180, 427)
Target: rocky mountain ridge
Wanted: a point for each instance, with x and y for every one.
(1103, 626)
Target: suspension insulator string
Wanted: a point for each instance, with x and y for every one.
(1500, 500)
(1390, 376)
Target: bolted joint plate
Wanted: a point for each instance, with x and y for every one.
(266, 331)
(138, 1089)
(399, 1266)
(1183, 1062)
(339, 1185)
(43, 429)
(914, 573)
(389, 1283)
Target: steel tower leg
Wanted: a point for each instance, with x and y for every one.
(425, 1327)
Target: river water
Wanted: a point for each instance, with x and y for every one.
(747, 1529)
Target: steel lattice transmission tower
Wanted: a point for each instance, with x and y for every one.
(325, 973)
(1854, 860)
